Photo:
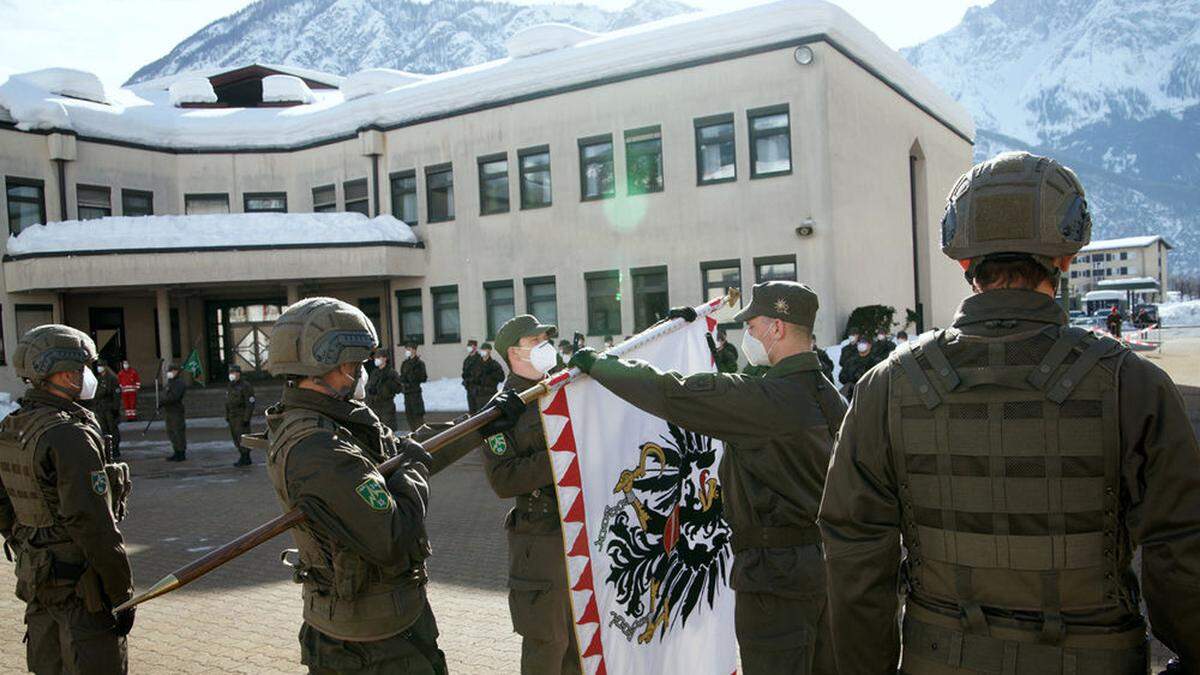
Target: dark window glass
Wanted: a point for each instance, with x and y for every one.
(439, 194)
(650, 301)
(356, 196)
(404, 197)
(137, 203)
(644, 161)
(500, 303)
(770, 142)
(26, 204)
(93, 201)
(718, 276)
(715, 151)
(775, 268)
(603, 302)
(493, 186)
(31, 316)
(535, 179)
(370, 307)
(200, 205)
(541, 299)
(265, 202)
(445, 313)
(596, 169)
(412, 323)
(324, 199)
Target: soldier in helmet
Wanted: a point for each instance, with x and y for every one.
(59, 505)
(362, 550)
(107, 405)
(1004, 470)
(239, 410)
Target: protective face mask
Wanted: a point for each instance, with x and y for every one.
(408, 353)
(100, 369)
(853, 338)
(88, 389)
(378, 363)
(360, 387)
(125, 365)
(755, 350)
(485, 354)
(170, 374)
(863, 348)
(881, 337)
(543, 357)
(233, 377)
(470, 350)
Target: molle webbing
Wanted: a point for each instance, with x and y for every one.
(18, 446)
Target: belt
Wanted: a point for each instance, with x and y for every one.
(774, 537)
(541, 500)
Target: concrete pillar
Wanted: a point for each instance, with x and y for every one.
(185, 332)
(163, 305)
(293, 294)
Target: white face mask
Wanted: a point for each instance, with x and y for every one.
(360, 387)
(755, 350)
(100, 369)
(408, 353)
(485, 354)
(125, 365)
(853, 338)
(863, 347)
(233, 377)
(881, 337)
(88, 390)
(543, 357)
(470, 349)
(170, 374)
(379, 363)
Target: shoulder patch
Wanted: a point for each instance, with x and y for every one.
(498, 444)
(99, 482)
(375, 494)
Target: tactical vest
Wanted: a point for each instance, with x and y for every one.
(1007, 455)
(20, 433)
(345, 596)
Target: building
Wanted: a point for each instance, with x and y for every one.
(1127, 271)
(592, 180)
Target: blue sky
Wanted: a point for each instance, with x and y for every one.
(113, 38)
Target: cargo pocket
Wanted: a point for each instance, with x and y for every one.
(32, 571)
(532, 606)
(768, 624)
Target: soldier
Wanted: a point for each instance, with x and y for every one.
(1019, 462)
(57, 505)
(107, 405)
(826, 362)
(412, 375)
(173, 414)
(853, 368)
(472, 368)
(130, 383)
(362, 549)
(778, 432)
(490, 375)
(1113, 322)
(382, 386)
(850, 345)
(882, 346)
(727, 355)
(239, 410)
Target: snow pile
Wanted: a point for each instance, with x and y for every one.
(1175, 314)
(194, 89)
(195, 232)
(546, 37)
(30, 107)
(376, 81)
(66, 82)
(286, 89)
(7, 405)
(444, 395)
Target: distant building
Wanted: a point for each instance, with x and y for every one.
(1127, 269)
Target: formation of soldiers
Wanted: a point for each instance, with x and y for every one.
(1000, 474)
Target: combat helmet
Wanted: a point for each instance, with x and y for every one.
(315, 335)
(52, 348)
(1015, 204)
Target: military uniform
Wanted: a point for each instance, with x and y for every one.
(880, 348)
(382, 386)
(172, 407)
(239, 410)
(778, 431)
(752, 370)
(412, 375)
(1003, 471)
(489, 379)
(107, 407)
(472, 373)
(727, 358)
(57, 503)
(362, 548)
(826, 362)
(853, 369)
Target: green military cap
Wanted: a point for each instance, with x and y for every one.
(487, 346)
(518, 327)
(784, 300)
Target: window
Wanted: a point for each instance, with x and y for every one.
(716, 155)
(370, 307)
(770, 142)
(499, 301)
(445, 313)
(355, 192)
(324, 199)
(775, 268)
(535, 177)
(643, 160)
(439, 193)
(603, 302)
(1124, 255)
(541, 299)
(404, 196)
(264, 202)
(199, 205)
(650, 301)
(596, 168)
(412, 323)
(1124, 270)
(93, 201)
(31, 316)
(493, 184)
(717, 276)
(137, 203)
(26, 203)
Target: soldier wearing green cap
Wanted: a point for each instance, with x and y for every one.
(778, 431)
(1002, 472)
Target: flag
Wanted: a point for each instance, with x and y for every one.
(192, 365)
(648, 549)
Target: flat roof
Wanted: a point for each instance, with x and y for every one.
(142, 115)
(1125, 242)
(1132, 283)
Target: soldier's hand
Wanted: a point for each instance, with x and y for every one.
(686, 313)
(125, 621)
(511, 407)
(583, 359)
(414, 451)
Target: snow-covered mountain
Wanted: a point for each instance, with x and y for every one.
(345, 36)
(1112, 87)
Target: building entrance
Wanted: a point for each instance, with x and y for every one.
(239, 333)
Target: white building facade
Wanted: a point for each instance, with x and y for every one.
(1103, 263)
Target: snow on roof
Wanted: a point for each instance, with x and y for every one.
(191, 90)
(1127, 282)
(1125, 242)
(66, 82)
(285, 89)
(141, 233)
(545, 37)
(143, 114)
(376, 81)
(164, 82)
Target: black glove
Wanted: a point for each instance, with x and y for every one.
(124, 621)
(511, 407)
(413, 451)
(583, 359)
(686, 313)
(1173, 666)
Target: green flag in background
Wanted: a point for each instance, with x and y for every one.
(192, 365)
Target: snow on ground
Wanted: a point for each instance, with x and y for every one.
(1185, 313)
(444, 395)
(232, 229)
(7, 404)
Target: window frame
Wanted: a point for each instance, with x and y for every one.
(760, 261)
(706, 288)
(365, 200)
(46, 307)
(397, 204)
(126, 193)
(587, 294)
(488, 302)
(588, 142)
(530, 283)
(247, 196)
(638, 273)
(494, 158)
(521, 171)
(206, 195)
(325, 207)
(401, 310)
(644, 135)
(768, 111)
(17, 181)
(430, 171)
(700, 123)
(80, 204)
(435, 293)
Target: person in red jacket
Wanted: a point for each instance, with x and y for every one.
(130, 383)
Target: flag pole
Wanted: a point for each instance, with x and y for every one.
(280, 524)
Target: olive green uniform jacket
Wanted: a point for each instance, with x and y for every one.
(1160, 500)
(382, 386)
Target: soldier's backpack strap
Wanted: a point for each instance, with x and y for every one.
(916, 375)
(43, 419)
(297, 424)
(1100, 347)
(823, 390)
(927, 345)
(1065, 340)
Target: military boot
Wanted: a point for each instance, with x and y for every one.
(244, 460)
